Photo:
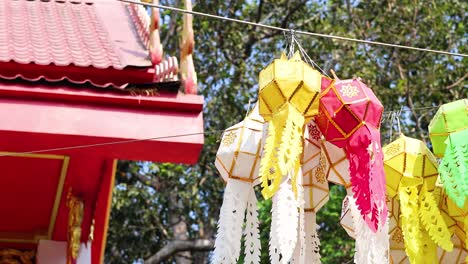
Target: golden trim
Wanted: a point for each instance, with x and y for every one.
(36, 237)
(108, 209)
(242, 179)
(58, 195)
(31, 155)
(257, 157)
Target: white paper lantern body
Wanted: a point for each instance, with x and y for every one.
(240, 149)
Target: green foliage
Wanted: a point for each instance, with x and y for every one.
(151, 199)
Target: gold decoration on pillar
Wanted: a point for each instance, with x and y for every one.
(75, 218)
(14, 256)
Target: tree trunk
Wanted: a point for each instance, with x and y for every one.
(179, 228)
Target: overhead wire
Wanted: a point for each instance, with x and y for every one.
(329, 36)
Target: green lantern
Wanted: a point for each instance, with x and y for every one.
(448, 131)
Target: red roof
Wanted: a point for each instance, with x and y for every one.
(66, 35)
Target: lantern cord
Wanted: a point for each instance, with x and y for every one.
(296, 31)
(398, 114)
(312, 62)
(390, 131)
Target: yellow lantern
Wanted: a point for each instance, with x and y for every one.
(288, 98)
(411, 172)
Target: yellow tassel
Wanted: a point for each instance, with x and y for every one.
(270, 173)
(410, 221)
(282, 150)
(432, 220)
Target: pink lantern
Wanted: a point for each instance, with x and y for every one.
(349, 117)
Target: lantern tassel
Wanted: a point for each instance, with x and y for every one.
(231, 219)
(454, 167)
(282, 148)
(312, 239)
(429, 254)
(284, 223)
(270, 173)
(252, 232)
(432, 220)
(371, 248)
(299, 256)
(359, 169)
(367, 176)
(410, 220)
(377, 176)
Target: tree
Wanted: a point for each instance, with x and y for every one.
(165, 213)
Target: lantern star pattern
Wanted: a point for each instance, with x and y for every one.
(350, 117)
(288, 98)
(411, 171)
(237, 161)
(448, 131)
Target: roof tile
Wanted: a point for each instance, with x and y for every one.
(76, 33)
(60, 32)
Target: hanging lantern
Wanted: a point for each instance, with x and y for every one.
(411, 171)
(448, 131)
(288, 98)
(350, 117)
(456, 227)
(316, 192)
(238, 161)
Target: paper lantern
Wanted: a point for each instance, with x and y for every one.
(448, 131)
(288, 98)
(411, 171)
(350, 117)
(237, 161)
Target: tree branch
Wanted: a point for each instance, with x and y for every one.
(457, 82)
(175, 246)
